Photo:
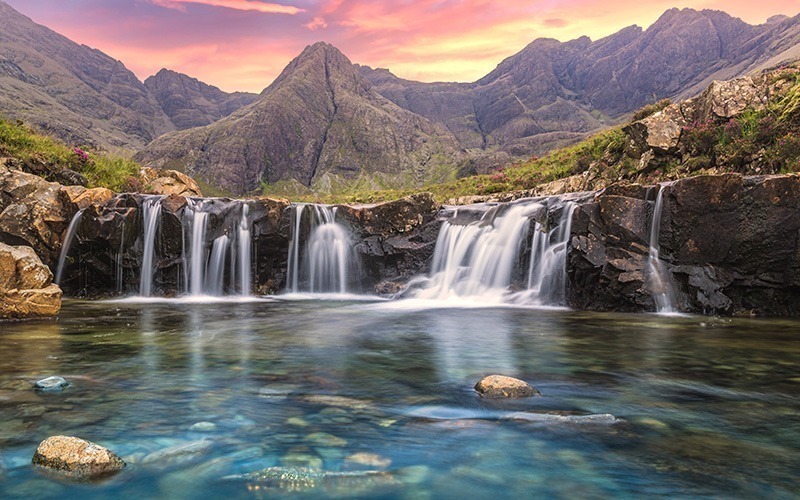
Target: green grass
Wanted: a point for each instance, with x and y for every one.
(100, 169)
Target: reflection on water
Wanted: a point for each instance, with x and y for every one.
(191, 393)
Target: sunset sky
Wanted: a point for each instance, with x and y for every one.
(244, 44)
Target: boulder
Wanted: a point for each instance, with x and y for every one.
(32, 213)
(76, 458)
(79, 198)
(51, 384)
(26, 289)
(500, 386)
(659, 132)
(167, 182)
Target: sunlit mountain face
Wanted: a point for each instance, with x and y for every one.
(242, 45)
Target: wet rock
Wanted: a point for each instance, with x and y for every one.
(203, 427)
(179, 455)
(368, 460)
(325, 439)
(500, 386)
(76, 458)
(26, 289)
(299, 479)
(51, 384)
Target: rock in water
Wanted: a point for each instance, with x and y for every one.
(300, 479)
(76, 458)
(50, 384)
(500, 386)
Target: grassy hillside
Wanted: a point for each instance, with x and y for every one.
(49, 157)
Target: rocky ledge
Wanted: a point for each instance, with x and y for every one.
(26, 289)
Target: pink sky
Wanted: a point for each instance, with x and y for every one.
(244, 44)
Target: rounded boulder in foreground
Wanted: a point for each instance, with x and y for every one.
(77, 458)
(500, 386)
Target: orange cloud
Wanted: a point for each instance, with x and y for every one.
(247, 5)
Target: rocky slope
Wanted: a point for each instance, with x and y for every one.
(70, 90)
(552, 93)
(85, 97)
(317, 126)
(188, 102)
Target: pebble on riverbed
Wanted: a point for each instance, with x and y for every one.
(500, 386)
(76, 458)
(51, 384)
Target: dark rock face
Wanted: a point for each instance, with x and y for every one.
(396, 240)
(191, 103)
(106, 256)
(319, 124)
(730, 243)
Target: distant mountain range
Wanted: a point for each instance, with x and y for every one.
(327, 124)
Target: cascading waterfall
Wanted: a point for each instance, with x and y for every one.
(547, 270)
(477, 260)
(62, 258)
(659, 277)
(197, 248)
(323, 264)
(245, 262)
(215, 273)
(151, 207)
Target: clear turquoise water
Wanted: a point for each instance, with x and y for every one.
(706, 407)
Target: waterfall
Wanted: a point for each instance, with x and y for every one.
(660, 283)
(477, 260)
(197, 248)
(482, 260)
(62, 258)
(215, 273)
(245, 262)
(322, 265)
(547, 270)
(151, 207)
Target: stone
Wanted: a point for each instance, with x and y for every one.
(77, 458)
(203, 427)
(659, 132)
(80, 198)
(325, 439)
(500, 386)
(50, 384)
(368, 460)
(168, 182)
(26, 289)
(301, 479)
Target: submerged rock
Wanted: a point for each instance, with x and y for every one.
(50, 384)
(76, 458)
(500, 386)
(368, 460)
(302, 479)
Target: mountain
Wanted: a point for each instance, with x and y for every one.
(318, 125)
(552, 93)
(70, 90)
(188, 102)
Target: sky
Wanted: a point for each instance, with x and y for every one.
(244, 44)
